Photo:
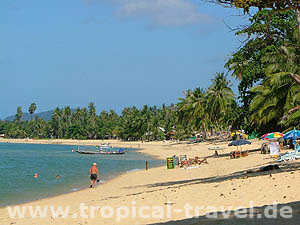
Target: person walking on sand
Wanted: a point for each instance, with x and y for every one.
(94, 174)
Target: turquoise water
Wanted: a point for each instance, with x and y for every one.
(19, 162)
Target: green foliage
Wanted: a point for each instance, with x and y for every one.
(209, 109)
(266, 35)
(213, 109)
(260, 4)
(148, 123)
(277, 93)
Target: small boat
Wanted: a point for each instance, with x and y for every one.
(120, 152)
(102, 146)
(111, 152)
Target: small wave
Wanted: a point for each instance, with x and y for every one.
(134, 170)
(75, 189)
(6, 167)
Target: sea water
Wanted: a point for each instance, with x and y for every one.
(19, 163)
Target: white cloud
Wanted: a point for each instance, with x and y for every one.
(161, 12)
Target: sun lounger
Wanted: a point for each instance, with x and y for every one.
(182, 160)
(244, 153)
(199, 161)
(264, 149)
(238, 154)
(235, 154)
(290, 156)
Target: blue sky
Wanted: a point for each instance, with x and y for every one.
(115, 53)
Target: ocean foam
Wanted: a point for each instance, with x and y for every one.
(134, 170)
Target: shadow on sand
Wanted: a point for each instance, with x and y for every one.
(287, 167)
(265, 215)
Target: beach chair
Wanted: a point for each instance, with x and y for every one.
(235, 154)
(199, 161)
(244, 153)
(264, 149)
(183, 160)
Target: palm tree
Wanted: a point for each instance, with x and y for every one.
(193, 110)
(277, 96)
(91, 127)
(56, 123)
(274, 97)
(19, 114)
(32, 109)
(92, 109)
(219, 99)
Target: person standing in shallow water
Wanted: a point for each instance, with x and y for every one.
(94, 175)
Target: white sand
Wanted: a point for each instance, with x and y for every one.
(221, 183)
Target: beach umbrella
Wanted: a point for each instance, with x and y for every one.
(239, 143)
(271, 136)
(240, 133)
(236, 132)
(292, 135)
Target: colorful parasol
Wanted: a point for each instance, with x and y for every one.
(236, 132)
(271, 136)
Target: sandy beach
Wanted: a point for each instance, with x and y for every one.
(162, 196)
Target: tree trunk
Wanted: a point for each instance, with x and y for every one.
(298, 20)
(295, 77)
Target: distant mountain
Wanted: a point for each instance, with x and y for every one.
(47, 115)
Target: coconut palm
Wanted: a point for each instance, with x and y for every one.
(219, 100)
(193, 110)
(32, 109)
(277, 94)
(19, 114)
(270, 99)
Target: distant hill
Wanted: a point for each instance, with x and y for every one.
(47, 115)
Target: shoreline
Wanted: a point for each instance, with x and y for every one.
(67, 193)
(69, 142)
(220, 183)
(78, 190)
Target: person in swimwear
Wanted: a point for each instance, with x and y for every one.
(94, 174)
